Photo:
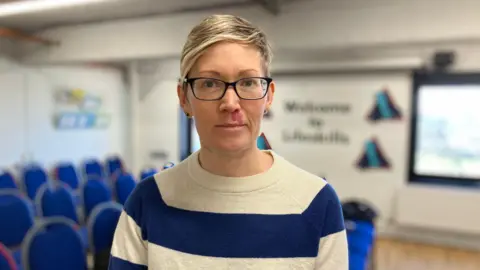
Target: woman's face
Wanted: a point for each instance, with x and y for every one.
(230, 124)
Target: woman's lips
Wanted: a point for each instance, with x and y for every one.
(231, 127)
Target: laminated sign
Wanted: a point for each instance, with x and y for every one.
(78, 109)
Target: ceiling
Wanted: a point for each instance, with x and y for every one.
(102, 10)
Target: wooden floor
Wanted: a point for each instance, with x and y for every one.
(396, 255)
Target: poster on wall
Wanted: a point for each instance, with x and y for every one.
(79, 109)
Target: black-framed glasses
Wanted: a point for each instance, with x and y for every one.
(209, 89)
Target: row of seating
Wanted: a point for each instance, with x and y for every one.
(86, 203)
(90, 193)
(32, 176)
(51, 241)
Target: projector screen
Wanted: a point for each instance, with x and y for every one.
(447, 131)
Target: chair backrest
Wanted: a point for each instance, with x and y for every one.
(7, 262)
(33, 177)
(102, 224)
(93, 167)
(7, 180)
(94, 192)
(54, 244)
(147, 173)
(124, 185)
(56, 199)
(66, 173)
(114, 164)
(16, 217)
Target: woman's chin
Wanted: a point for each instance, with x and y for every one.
(233, 145)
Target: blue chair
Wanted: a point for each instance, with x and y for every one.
(16, 215)
(16, 218)
(93, 167)
(102, 224)
(66, 173)
(7, 180)
(145, 173)
(114, 164)
(33, 177)
(54, 244)
(360, 219)
(56, 199)
(7, 262)
(94, 192)
(124, 185)
(360, 237)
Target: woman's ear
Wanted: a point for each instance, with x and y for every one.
(182, 94)
(270, 94)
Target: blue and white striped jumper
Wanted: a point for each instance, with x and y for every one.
(188, 218)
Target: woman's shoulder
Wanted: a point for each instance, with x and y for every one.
(291, 172)
(151, 187)
(149, 194)
(305, 187)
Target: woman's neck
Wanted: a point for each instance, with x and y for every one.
(246, 163)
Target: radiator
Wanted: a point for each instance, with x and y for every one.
(440, 208)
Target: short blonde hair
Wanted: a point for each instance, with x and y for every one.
(218, 28)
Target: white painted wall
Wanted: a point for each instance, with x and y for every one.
(159, 112)
(27, 107)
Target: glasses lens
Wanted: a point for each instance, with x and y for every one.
(252, 88)
(212, 89)
(208, 88)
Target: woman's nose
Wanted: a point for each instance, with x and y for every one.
(230, 101)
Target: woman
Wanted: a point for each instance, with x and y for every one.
(230, 205)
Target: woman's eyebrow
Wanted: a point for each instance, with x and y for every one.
(209, 72)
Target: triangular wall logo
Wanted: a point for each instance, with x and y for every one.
(262, 142)
(372, 156)
(384, 108)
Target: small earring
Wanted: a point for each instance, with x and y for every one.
(188, 115)
(265, 111)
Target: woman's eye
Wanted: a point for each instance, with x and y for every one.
(248, 83)
(209, 84)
